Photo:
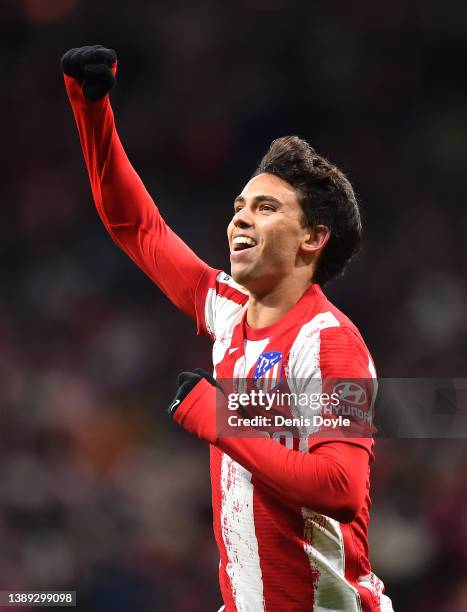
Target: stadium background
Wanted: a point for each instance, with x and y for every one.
(99, 492)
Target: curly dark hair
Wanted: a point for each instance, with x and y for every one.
(326, 197)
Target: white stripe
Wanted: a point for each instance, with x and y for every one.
(231, 317)
(376, 586)
(237, 517)
(209, 311)
(219, 311)
(253, 349)
(304, 353)
(324, 545)
(238, 534)
(304, 367)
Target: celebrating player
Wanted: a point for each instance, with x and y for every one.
(290, 522)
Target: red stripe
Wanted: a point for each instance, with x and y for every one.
(288, 580)
(231, 293)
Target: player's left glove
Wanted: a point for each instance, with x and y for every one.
(93, 67)
(194, 405)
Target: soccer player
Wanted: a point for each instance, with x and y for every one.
(290, 522)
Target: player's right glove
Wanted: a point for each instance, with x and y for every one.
(93, 68)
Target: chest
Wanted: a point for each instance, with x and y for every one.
(265, 359)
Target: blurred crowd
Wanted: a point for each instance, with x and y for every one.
(99, 492)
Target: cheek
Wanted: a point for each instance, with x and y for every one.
(283, 241)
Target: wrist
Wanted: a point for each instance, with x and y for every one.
(197, 411)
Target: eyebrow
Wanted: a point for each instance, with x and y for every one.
(259, 198)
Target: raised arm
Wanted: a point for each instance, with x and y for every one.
(125, 207)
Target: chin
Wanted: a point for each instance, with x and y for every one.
(237, 276)
(241, 279)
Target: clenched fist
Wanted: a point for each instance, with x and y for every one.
(92, 68)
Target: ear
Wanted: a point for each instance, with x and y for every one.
(315, 239)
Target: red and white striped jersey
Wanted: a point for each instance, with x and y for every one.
(276, 555)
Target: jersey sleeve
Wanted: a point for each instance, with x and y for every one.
(130, 215)
(347, 373)
(332, 362)
(331, 479)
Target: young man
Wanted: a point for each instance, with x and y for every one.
(290, 522)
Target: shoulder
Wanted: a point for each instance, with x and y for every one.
(343, 353)
(223, 299)
(329, 344)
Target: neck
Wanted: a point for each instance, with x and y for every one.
(268, 308)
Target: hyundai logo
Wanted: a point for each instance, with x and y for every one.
(351, 392)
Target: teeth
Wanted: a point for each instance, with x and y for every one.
(244, 240)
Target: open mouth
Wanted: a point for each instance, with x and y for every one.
(242, 243)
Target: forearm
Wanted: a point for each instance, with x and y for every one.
(119, 194)
(126, 208)
(331, 480)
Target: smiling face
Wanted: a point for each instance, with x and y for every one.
(267, 240)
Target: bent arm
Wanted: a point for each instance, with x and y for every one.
(331, 479)
(126, 208)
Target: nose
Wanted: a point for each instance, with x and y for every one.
(242, 218)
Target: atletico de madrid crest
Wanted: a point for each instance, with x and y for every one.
(268, 371)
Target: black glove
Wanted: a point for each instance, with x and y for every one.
(186, 381)
(90, 66)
